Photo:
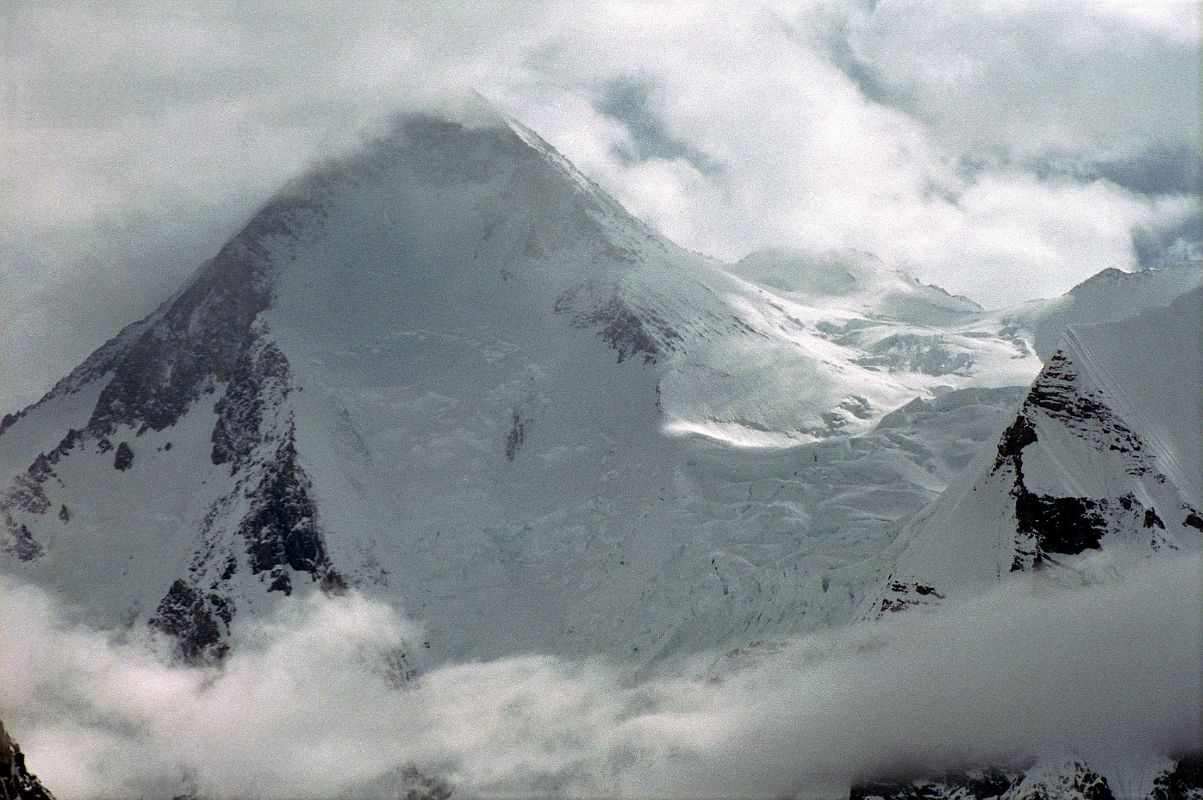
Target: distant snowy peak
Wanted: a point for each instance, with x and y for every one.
(842, 340)
(1103, 454)
(1106, 296)
(854, 280)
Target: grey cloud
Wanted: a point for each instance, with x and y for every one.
(835, 35)
(1156, 171)
(1170, 244)
(307, 706)
(1159, 170)
(628, 100)
(137, 135)
(1035, 77)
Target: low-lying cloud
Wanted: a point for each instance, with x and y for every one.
(310, 704)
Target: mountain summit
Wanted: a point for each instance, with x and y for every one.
(1104, 454)
(452, 370)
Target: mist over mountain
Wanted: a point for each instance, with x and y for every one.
(454, 347)
(450, 374)
(820, 417)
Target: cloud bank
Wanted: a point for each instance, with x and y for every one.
(1002, 149)
(310, 705)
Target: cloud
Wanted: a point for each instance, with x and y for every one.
(138, 138)
(628, 100)
(1031, 77)
(309, 705)
(1160, 170)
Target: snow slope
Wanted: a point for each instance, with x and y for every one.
(1105, 453)
(452, 371)
(1101, 467)
(842, 334)
(1107, 296)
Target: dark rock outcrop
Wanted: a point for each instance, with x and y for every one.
(1059, 394)
(20, 542)
(198, 622)
(513, 440)
(419, 786)
(1064, 525)
(1183, 781)
(16, 781)
(198, 339)
(275, 534)
(900, 596)
(259, 384)
(624, 329)
(281, 529)
(979, 784)
(123, 459)
(1071, 780)
(158, 367)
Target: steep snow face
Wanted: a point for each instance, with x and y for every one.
(443, 370)
(1104, 454)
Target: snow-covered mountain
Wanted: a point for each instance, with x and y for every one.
(1101, 468)
(845, 339)
(1107, 296)
(451, 370)
(1106, 453)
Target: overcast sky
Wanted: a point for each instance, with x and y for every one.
(1005, 150)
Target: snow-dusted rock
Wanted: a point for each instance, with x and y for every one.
(1104, 453)
(16, 781)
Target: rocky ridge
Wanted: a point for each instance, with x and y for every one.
(16, 781)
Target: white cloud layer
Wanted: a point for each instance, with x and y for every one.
(136, 137)
(308, 705)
